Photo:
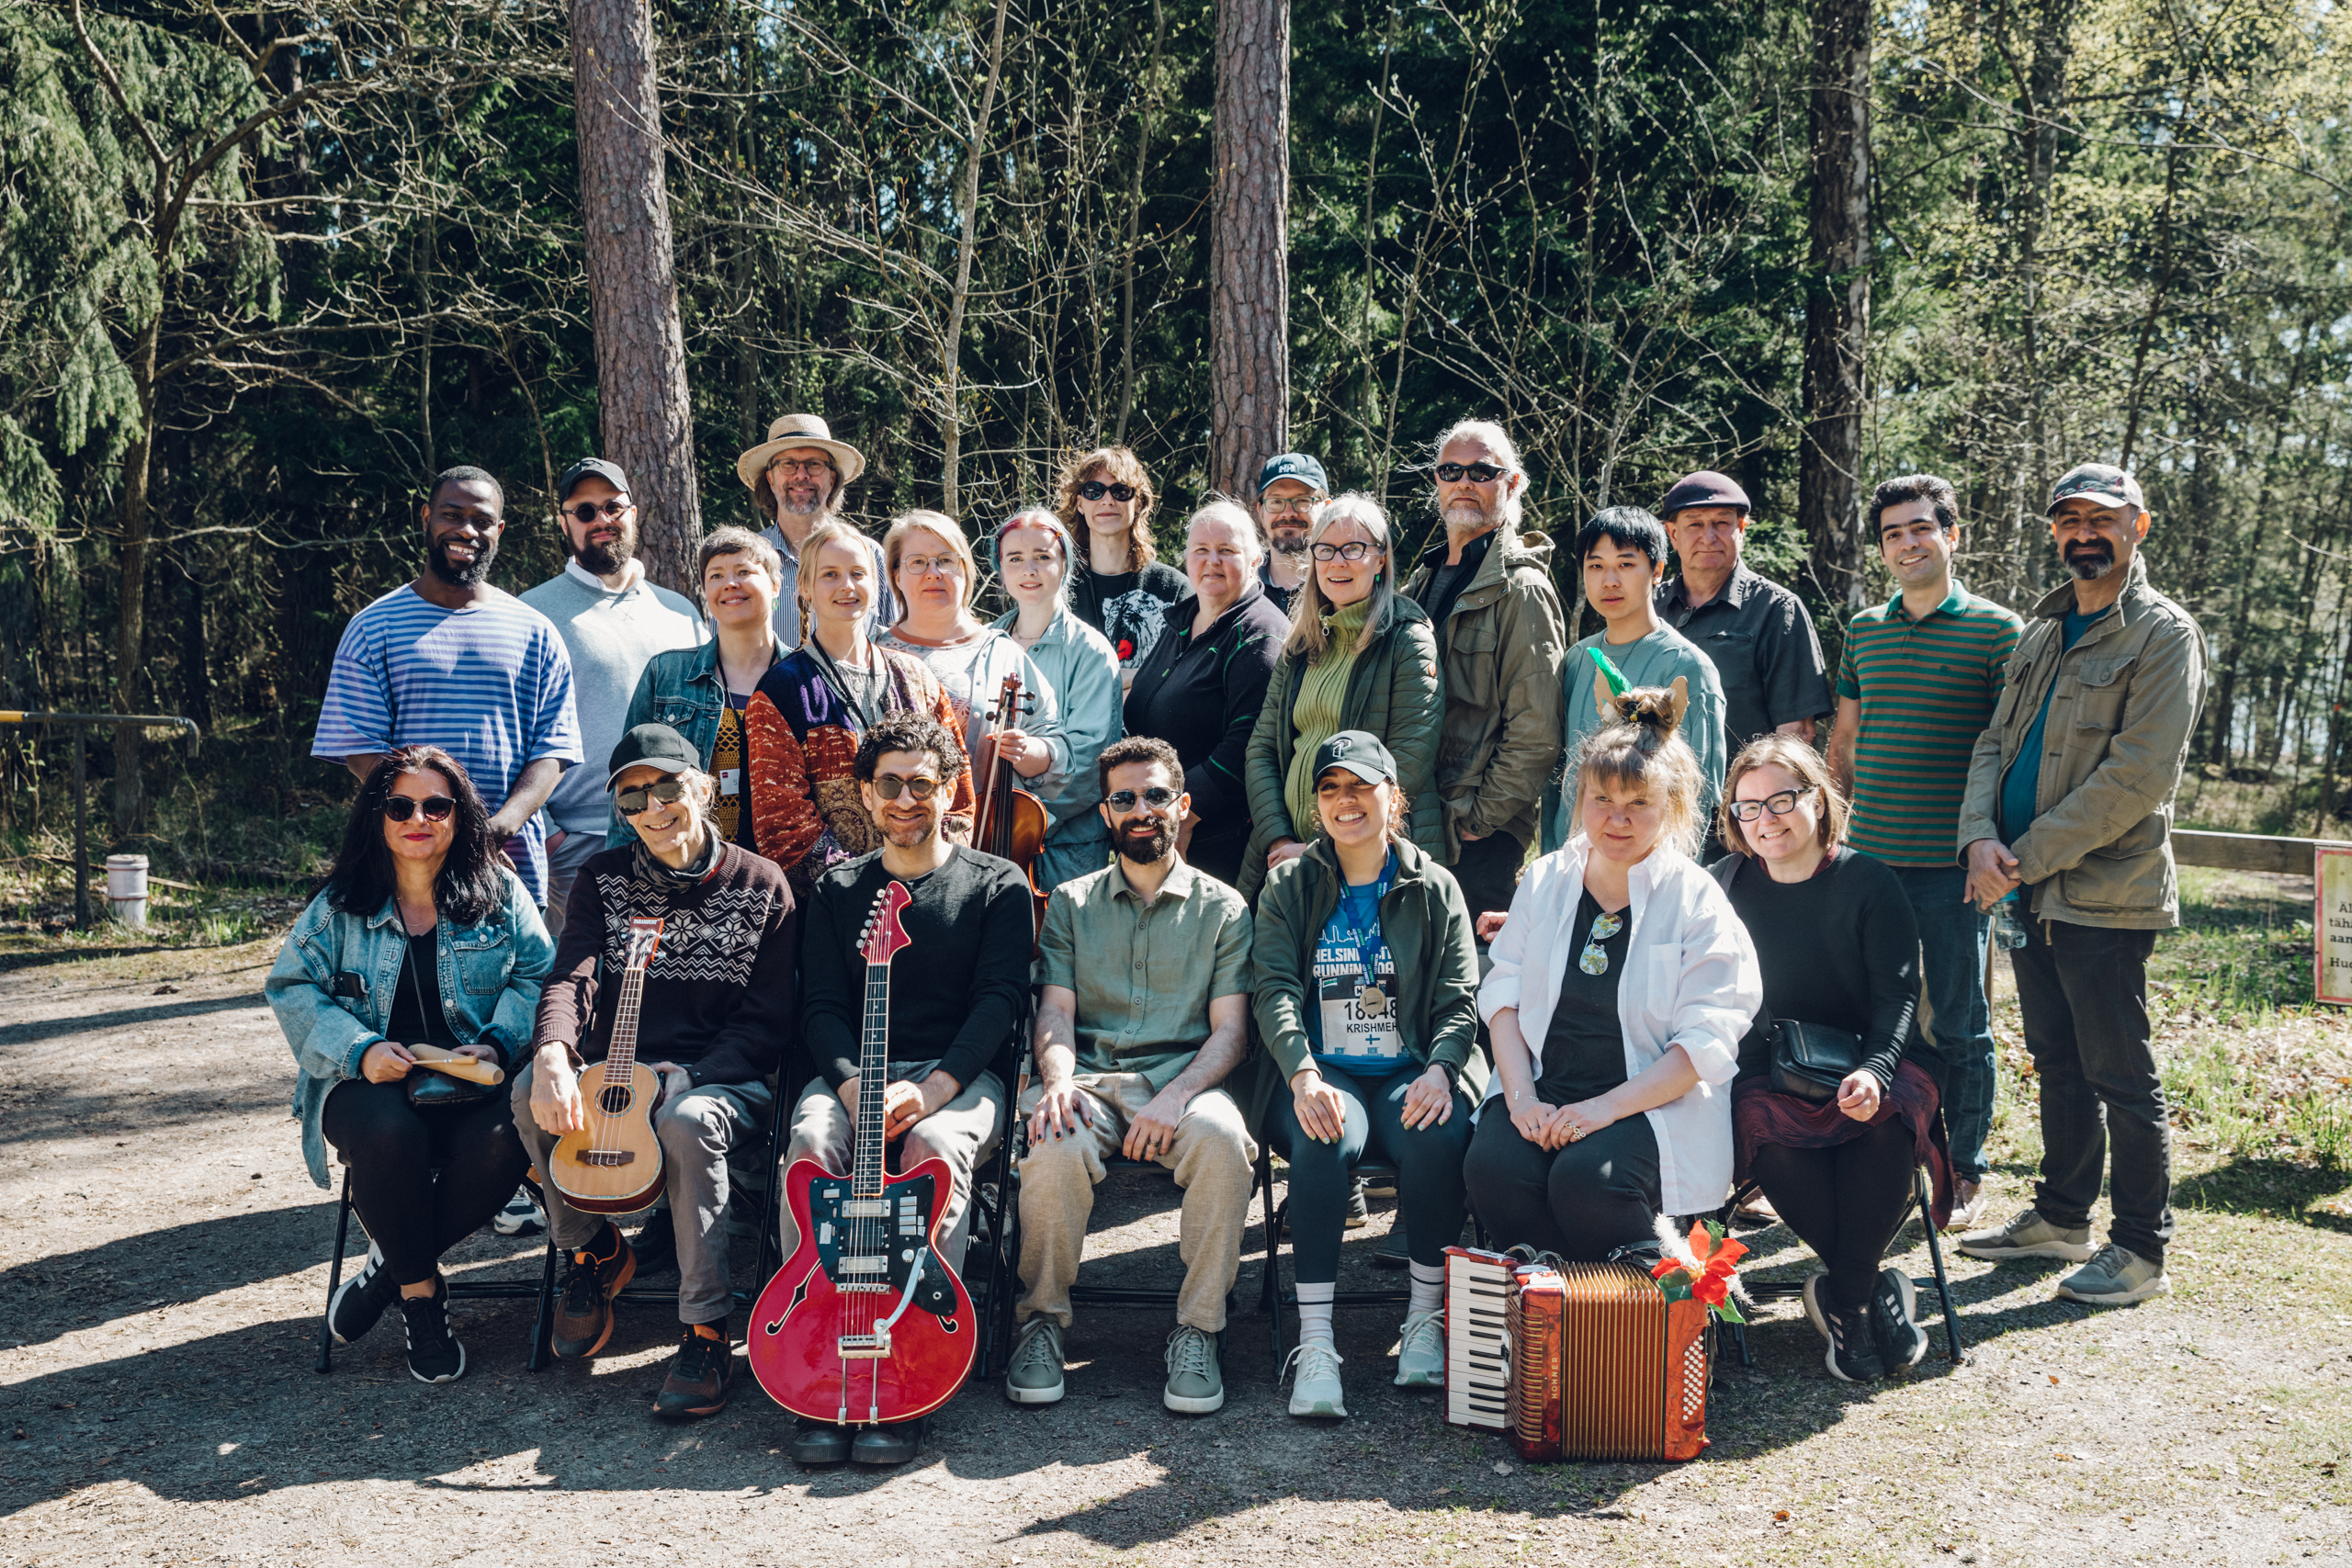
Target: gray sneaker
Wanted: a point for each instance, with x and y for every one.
(2030, 1235)
(1035, 1375)
(2117, 1276)
(1195, 1383)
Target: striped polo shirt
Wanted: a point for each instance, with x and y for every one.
(1927, 689)
(490, 684)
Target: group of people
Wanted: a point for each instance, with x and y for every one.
(1291, 793)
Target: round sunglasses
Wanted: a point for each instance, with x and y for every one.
(922, 786)
(588, 511)
(436, 808)
(1095, 489)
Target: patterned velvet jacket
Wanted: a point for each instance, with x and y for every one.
(805, 813)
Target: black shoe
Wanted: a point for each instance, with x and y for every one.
(1900, 1341)
(1852, 1357)
(820, 1442)
(433, 1353)
(894, 1444)
(1395, 1252)
(583, 1308)
(361, 1299)
(656, 1245)
(697, 1385)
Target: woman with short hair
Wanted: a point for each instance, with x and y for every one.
(1033, 564)
(422, 936)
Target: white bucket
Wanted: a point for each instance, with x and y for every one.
(127, 889)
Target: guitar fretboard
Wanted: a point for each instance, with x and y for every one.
(872, 1068)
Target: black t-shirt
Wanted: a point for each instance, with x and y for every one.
(1127, 607)
(1839, 949)
(1445, 584)
(1584, 1046)
(416, 1016)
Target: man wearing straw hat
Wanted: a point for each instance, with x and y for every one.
(797, 477)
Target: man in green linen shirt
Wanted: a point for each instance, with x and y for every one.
(1144, 1012)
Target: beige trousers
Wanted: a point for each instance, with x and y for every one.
(1212, 1160)
(963, 1132)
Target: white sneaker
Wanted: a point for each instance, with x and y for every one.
(1420, 1350)
(1314, 1372)
(1968, 1205)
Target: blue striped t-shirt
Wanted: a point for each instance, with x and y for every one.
(490, 684)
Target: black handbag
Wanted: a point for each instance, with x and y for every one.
(1810, 1060)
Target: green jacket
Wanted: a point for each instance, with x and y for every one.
(1503, 644)
(1394, 692)
(2125, 697)
(1427, 928)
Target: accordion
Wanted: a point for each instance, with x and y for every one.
(1573, 1360)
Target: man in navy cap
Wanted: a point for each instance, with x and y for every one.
(1290, 487)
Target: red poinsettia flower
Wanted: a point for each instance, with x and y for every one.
(1717, 1264)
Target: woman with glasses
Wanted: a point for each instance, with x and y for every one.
(813, 704)
(1119, 585)
(1841, 953)
(421, 937)
(1203, 682)
(1032, 563)
(1365, 970)
(1359, 656)
(1621, 987)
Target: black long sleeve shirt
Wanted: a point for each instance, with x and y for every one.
(1839, 949)
(1202, 695)
(956, 989)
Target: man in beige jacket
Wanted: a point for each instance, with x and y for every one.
(2069, 806)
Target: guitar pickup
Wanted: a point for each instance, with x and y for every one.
(863, 1347)
(866, 1209)
(863, 1265)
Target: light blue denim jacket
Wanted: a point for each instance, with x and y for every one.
(683, 689)
(490, 980)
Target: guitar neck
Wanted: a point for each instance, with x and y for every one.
(620, 1055)
(873, 1073)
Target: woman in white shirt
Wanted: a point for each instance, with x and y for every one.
(1621, 985)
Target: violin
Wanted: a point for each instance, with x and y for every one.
(1008, 820)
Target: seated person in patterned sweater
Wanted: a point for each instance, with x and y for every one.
(713, 1025)
(970, 931)
(1145, 1013)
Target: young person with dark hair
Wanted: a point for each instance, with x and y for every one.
(421, 936)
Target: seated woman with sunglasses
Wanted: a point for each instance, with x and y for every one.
(1365, 970)
(1840, 954)
(1360, 656)
(421, 937)
(1117, 584)
(1622, 984)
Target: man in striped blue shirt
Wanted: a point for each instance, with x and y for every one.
(448, 661)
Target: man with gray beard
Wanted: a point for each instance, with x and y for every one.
(798, 477)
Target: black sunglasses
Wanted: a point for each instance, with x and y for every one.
(588, 511)
(1160, 797)
(1778, 804)
(638, 799)
(436, 808)
(1095, 489)
(1477, 473)
(922, 786)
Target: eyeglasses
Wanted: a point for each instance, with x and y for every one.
(1158, 798)
(640, 798)
(1778, 804)
(803, 465)
(1095, 489)
(588, 511)
(1354, 549)
(922, 786)
(436, 808)
(1477, 473)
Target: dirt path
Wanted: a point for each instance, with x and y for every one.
(165, 1263)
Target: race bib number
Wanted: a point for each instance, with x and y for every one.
(1353, 1032)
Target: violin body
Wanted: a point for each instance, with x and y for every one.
(1008, 820)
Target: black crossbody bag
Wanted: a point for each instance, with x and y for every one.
(1809, 1060)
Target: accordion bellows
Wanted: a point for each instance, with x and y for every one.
(1582, 1360)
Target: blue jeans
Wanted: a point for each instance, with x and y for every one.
(1959, 1025)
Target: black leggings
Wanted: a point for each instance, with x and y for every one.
(1428, 1161)
(1846, 1201)
(394, 1150)
(1582, 1200)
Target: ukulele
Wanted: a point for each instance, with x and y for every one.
(867, 1324)
(1007, 820)
(613, 1165)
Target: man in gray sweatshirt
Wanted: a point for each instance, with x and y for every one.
(612, 622)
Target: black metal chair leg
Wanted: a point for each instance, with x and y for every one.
(1936, 1259)
(335, 1276)
(543, 1325)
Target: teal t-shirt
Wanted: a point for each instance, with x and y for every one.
(2017, 785)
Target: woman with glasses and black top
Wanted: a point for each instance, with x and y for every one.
(1834, 1131)
(421, 939)
(1117, 585)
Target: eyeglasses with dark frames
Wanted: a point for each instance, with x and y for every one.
(803, 465)
(1778, 804)
(889, 787)
(1354, 549)
(1477, 473)
(588, 511)
(1160, 797)
(436, 808)
(1095, 489)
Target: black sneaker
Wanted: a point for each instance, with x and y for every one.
(360, 1299)
(433, 1353)
(1852, 1357)
(697, 1385)
(1898, 1339)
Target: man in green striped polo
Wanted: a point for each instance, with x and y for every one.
(1916, 686)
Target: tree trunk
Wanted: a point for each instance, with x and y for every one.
(950, 434)
(632, 286)
(1837, 308)
(1250, 246)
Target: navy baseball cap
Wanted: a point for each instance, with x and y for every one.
(608, 472)
(1294, 466)
(2102, 482)
(1705, 488)
(650, 746)
(1358, 751)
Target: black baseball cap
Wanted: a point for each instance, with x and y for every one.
(1294, 466)
(608, 472)
(1359, 752)
(650, 746)
(1705, 488)
(2102, 482)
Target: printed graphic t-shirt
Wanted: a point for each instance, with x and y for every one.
(1341, 1031)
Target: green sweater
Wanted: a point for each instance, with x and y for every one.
(1321, 706)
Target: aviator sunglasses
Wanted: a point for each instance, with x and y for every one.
(1477, 473)
(1095, 489)
(1160, 797)
(436, 808)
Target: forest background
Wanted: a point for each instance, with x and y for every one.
(263, 270)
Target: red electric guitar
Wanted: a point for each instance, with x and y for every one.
(867, 1324)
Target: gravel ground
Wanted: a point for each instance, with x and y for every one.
(161, 1283)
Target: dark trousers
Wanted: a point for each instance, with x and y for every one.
(423, 1181)
(1489, 872)
(1953, 935)
(2084, 994)
(1846, 1201)
(1218, 854)
(1428, 1162)
(1582, 1200)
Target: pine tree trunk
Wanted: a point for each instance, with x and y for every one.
(632, 286)
(1250, 246)
(1838, 309)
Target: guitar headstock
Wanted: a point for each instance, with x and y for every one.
(644, 937)
(884, 935)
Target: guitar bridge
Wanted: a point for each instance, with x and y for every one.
(863, 1347)
(608, 1157)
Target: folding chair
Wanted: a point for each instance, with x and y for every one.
(1785, 1290)
(1272, 1295)
(460, 1289)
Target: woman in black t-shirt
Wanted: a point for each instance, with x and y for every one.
(1119, 585)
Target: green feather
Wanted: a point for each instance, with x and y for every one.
(1618, 684)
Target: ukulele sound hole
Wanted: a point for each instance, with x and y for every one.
(614, 1100)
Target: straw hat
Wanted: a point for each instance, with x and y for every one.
(799, 430)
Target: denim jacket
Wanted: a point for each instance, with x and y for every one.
(683, 689)
(490, 978)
